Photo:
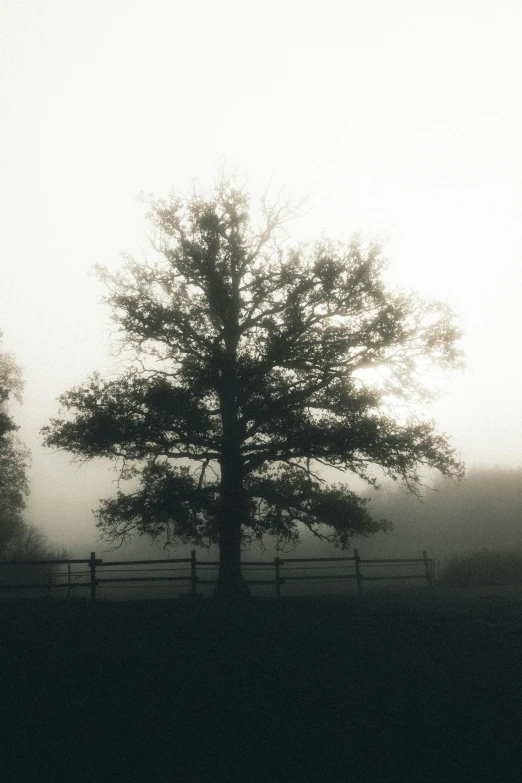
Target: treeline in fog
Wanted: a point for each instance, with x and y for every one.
(482, 511)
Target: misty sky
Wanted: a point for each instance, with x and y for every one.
(402, 119)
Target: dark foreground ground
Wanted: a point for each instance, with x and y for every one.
(423, 687)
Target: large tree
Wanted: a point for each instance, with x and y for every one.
(252, 366)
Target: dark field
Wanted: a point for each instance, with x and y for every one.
(421, 686)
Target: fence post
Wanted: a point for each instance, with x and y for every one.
(68, 580)
(193, 578)
(92, 566)
(427, 566)
(358, 577)
(278, 577)
(49, 581)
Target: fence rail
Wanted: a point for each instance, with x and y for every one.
(284, 572)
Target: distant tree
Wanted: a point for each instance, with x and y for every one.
(14, 489)
(14, 486)
(28, 542)
(18, 540)
(10, 386)
(257, 364)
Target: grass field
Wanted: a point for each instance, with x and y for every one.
(422, 685)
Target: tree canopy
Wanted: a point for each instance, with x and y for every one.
(14, 486)
(10, 387)
(252, 366)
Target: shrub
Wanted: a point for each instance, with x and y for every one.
(29, 543)
(483, 567)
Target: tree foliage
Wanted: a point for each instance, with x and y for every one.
(10, 387)
(14, 489)
(14, 486)
(253, 365)
(18, 539)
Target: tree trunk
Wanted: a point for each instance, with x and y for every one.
(231, 584)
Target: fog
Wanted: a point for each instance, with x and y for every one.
(483, 511)
(403, 121)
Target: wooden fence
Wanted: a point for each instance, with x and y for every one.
(96, 570)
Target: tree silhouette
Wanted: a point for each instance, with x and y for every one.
(252, 365)
(14, 486)
(10, 386)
